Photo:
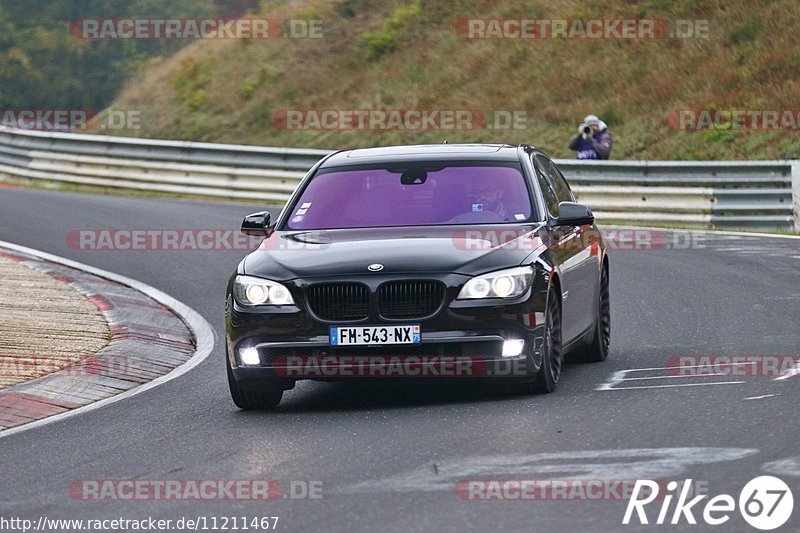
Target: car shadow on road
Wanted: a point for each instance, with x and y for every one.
(364, 395)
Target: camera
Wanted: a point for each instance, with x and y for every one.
(587, 129)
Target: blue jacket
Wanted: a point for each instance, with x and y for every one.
(596, 147)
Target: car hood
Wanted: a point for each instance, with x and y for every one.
(466, 250)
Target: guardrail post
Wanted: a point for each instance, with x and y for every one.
(796, 193)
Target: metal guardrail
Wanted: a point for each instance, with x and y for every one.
(730, 194)
(177, 167)
(716, 194)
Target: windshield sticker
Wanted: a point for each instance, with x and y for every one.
(303, 209)
(297, 218)
(519, 216)
(477, 208)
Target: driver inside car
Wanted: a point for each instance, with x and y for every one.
(488, 196)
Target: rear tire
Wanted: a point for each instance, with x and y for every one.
(552, 356)
(597, 351)
(248, 400)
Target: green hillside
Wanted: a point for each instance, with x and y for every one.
(388, 55)
(44, 65)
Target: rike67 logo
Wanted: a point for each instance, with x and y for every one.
(765, 503)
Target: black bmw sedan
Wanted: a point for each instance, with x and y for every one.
(430, 261)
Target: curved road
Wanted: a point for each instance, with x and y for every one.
(389, 455)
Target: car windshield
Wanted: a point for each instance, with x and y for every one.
(413, 194)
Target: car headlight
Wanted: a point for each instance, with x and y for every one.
(508, 283)
(250, 291)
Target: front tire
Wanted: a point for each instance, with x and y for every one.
(597, 351)
(552, 356)
(249, 400)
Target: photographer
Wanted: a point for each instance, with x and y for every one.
(593, 141)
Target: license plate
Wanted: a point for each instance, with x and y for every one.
(370, 335)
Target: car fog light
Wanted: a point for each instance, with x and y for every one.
(250, 356)
(513, 347)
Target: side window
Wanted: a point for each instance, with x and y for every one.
(563, 191)
(550, 199)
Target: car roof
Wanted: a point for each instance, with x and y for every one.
(427, 152)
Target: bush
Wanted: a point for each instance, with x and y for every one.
(384, 40)
(745, 33)
(191, 80)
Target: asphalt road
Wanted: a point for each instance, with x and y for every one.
(389, 455)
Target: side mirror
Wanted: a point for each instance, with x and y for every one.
(573, 214)
(257, 224)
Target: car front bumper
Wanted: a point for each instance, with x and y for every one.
(462, 340)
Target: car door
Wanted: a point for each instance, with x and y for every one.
(579, 274)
